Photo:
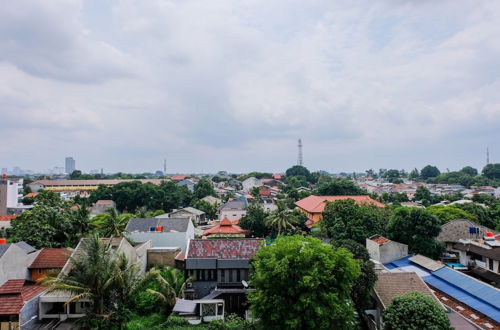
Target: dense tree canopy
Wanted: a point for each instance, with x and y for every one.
(363, 286)
(133, 195)
(417, 228)
(344, 219)
(50, 223)
(429, 171)
(339, 187)
(492, 171)
(301, 283)
(204, 188)
(415, 311)
(469, 170)
(255, 220)
(447, 213)
(298, 171)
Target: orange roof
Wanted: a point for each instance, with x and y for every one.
(226, 226)
(32, 194)
(316, 204)
(179, 177)
(104, 202)
(7, 217)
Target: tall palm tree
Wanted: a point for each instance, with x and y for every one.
(281, 219)
(172, 285)
(110, 224)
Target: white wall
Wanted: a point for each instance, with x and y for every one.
(232, 214)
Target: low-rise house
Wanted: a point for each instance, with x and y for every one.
(54, 305)
(233, 210)
(471, 298)
(188, 212)
(162, 232)
(15, 259)
(101, 206)
(226, 228)
(250, 183)
(220, 269)
(392, 285)
(384, 250)
(186, 183)
(48, 260)
(459, 229)
(19, 303)
(180, 177)
(313, 206)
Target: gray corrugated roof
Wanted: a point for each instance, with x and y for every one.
(455, 230)
(26, 247)
(3, 249)
(190, 210)
(235, 204)
(169, 224)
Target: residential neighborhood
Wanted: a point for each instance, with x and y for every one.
(249, 165)
(207, 244)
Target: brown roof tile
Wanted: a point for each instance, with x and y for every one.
(392, 285)
(51, 258)
(224, 248)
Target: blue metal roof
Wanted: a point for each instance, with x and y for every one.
(469, 291)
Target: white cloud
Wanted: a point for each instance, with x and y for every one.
(232, 85)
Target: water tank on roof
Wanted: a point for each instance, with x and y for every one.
(3, 241)
(159, 228)
(152, 228)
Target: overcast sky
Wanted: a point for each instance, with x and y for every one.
(231, 85)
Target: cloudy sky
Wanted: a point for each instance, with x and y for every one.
(231, 85)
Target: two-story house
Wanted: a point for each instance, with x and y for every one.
(220, 268)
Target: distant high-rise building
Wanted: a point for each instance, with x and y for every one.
(70, 165)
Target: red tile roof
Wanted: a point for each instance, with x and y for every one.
(7, 217)
(179, 177)
(32, 194)
(14, 293)
(278, 176)
(316, 204)
(224, 248)
(225, 227)
(51, 258)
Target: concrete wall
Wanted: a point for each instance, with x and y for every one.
(142, 255)
(14, 264)
(163, 239)
(386, 252)
(162, 257)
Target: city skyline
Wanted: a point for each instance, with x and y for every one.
(122, 85)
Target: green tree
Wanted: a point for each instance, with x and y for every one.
(417, 228)
(209, 209)
(414, 175)
(363, 286)
(301, 283)
(492, 171)
(171, 286)
(450, 212)
(481, 213)
(204, 188)
(423, 194)
(281, 219)
(102, 275)
(298, 171)
(429, 171)
(255, 220)
(344, 219)
(50, 223)
(469, 170)
(110, 224)
(340, 187)
(415, 311)
(76, 174)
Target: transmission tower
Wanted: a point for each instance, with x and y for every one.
(487, 156)
(164, 167)
(299, 159)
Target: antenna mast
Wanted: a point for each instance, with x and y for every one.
(299, 159)
(164, 167)
(487, 156)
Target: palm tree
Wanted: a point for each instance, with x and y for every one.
(91, 277)
(172, 285)
(110, 224)
(281, 219)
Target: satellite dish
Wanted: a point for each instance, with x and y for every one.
(245, 284)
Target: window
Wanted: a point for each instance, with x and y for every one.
(230, 275)
(490, 264)
(223, 275)
(238, 274)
